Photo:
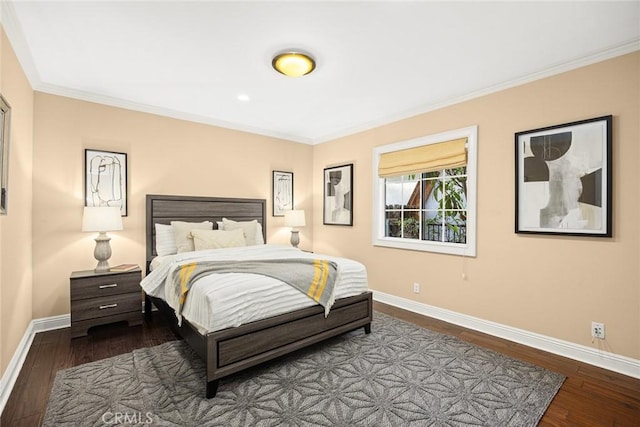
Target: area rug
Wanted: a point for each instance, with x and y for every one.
(399, 375)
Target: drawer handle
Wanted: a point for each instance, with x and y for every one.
(102, 307)
(108, 286)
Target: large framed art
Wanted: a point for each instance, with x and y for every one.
(106, 179)
(338, 195)
(563, 179)
(5, 123)
(282, 192)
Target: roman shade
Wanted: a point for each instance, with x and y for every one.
(426, 158)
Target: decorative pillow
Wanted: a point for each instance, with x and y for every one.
(165, 240)
(250, 229)
(181, 231)
(259, 235)
(216, 239)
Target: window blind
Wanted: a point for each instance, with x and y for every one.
(426, 158)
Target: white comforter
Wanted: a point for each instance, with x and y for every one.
(220, 301)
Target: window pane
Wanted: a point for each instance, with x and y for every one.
(393, 192)
(411, 192)
(455, 229)
(411, 225)
(456, 171)
(393, 224)
(455, 193)
(401, 192)
(430, 201)
(435, 174)
(431, 226)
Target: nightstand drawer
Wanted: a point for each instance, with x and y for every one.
(104, 285)
(105, 306)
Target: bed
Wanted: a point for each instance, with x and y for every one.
(233, 349)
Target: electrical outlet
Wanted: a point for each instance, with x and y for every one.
(416, 288)
(597, 330)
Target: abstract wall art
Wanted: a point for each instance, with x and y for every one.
(282, 192)
(338, 195)
(106, 179)
(563, 179)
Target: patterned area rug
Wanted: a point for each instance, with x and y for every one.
(399, 375)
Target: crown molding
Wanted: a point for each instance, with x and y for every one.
(622, 49)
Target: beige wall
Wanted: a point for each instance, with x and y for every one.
(165, 156)
(554, 285)
(15, 228)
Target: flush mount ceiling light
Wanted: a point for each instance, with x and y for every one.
(293, 64)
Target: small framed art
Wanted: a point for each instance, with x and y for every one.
(338, 195)
(282, 192)
(563, 179)
(105, 179)
(5, 123)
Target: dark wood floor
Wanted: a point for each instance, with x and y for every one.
(590, 396)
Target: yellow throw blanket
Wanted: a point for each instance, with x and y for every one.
(313, 277)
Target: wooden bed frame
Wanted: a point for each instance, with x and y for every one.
(231, 350)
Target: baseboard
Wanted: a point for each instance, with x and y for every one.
(10, 376)
(602, 359)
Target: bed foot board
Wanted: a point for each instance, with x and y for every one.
(367, 328)
(212, 388)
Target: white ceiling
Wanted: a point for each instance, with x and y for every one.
(376, 61)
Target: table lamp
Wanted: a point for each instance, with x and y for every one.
(102, 219)
(294, 218)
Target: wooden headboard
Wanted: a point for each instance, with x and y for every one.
(163, 209)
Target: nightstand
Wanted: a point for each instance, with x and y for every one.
(101, 298)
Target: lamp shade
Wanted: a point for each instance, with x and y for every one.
(294, 218)
(101, 219)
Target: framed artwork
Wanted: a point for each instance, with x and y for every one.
(5, 118)
(105, 179)
(338, 195)
(563, 179)
(282, 192)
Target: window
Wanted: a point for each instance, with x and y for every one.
(425, 193)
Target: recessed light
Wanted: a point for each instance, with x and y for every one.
(293, 63)
(243, 97)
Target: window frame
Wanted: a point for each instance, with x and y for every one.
(378, 225)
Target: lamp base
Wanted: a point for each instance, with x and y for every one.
(102, 252)
(295, 238)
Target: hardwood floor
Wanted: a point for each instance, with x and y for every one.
(590, 396)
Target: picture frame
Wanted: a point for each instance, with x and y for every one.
(105, 179)
(338, 195)
(5, 119)
(282, 192)
(564, 179)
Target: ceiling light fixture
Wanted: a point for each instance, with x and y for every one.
(293, 64)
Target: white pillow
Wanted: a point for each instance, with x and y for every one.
(250, 229)
(165, 240)
(216, 239)
(182, 230)
(259, 235)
